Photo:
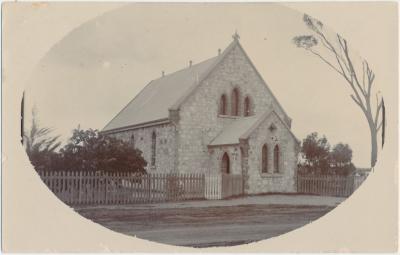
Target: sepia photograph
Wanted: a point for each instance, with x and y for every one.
(203, 124)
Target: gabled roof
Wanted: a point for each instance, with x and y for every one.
(231, 133)
(243, 127)
(153, 103)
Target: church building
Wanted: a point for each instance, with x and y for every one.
(217, 116)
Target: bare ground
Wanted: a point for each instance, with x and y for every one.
(213, 223)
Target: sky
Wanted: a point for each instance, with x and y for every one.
(94, 71)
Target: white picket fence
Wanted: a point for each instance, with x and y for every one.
(359, 179)
(213, 187)
(220, 186)
(325, 185)
(126, 188)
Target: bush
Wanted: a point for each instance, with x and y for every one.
(88, 150)
(319, 159)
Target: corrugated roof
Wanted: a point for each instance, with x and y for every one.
(243, 127)
(232, 133)
(153, 102)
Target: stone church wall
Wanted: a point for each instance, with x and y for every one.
(165, 146)
(199, 121)
(284, 181)
(184, 148)
(234, 154)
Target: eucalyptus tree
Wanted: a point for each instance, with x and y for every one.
(332, 49)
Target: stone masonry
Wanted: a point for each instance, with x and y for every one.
(165, 145)
(183, 143)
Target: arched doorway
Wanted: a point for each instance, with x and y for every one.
(225, 166)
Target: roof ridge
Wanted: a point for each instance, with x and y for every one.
(220, 57)
(261, 118)
(186, 68)
(234, 123)
(200, 71)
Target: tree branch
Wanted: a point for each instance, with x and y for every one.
(378, 110)
(330, 47)
(343, 45)
(364, 74)
(325, 45)
(344, 64)
(342, 73)
(340, 39)
(351, 67)
(370, 76)
(357, 102)
(379, 126)
(326, 61)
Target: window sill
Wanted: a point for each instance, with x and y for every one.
(272, 175)
(228, 116)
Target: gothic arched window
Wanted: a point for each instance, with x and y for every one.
(235, 102)
(133, 141)
(276, 159)
(153, 149)
(222, 105)
(264, 159)
(247, 106)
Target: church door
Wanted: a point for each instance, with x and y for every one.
(225, 164)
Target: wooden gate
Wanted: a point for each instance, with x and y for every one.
(220, 186)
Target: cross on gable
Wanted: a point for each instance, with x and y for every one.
(236, 36)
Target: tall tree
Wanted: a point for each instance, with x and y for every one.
(316, 151)
(334, 51)
(40, 145)
(341, 154)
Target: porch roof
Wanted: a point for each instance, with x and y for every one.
(242, 128)
(232, 133)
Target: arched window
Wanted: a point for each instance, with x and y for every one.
(222, 105)
(264, 159)
(276, 159)
(133, 141)
(153, 149)
(225, 164)
(247, 106)
(235, 102)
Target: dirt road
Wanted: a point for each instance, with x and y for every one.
(212, 223)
